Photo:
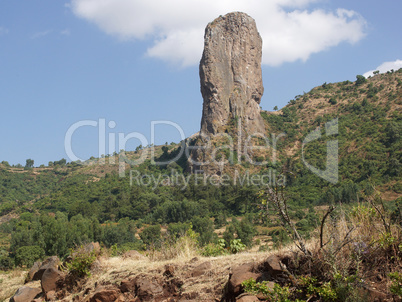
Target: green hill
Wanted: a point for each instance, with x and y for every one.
(64, 204)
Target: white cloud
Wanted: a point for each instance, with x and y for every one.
(65, 32)
(290, 31)
(3, 31)
(384, 67)
(41, 34)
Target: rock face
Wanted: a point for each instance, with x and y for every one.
(37, 273)
(25, 293)
(230, 74)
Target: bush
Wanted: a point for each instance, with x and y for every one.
(277, 294)
(214, 249)
(27, 255)
(333, 101)
(220, 221)
(151, 235)
(360, 80)
(396, 285)
(204, 227)
(237, 246)
(81, 262)
(6, 262)
(176, 230)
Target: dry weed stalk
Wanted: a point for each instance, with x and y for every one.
(274, 196)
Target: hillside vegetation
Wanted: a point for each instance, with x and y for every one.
(48, 210)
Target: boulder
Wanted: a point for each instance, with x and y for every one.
(238, 276)
(127, 286)
(93, 247)
(169, 270)
(274, 267)
(105, 295)
(25, 294)
(201, 269)
(147, 287)
(51, 296)
(34, 269)
(50, 279)
(247, 298)
(51, 262)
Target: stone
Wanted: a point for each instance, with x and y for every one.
(93, 247)
(34, 269)
(105, 295)
(230, 75)
(373, 295)
(127, 286)
(238, 276)
(148, 287)
(247, 298)
(169, 270)
(51, 262)
(201, 269)
(274, 267)
(51, 296)
(50, 279)
(25, 294)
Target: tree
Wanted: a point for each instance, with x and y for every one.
(27, 255)
(228, 235)
(5, 163)
(276, 108)
(61, 162)
(151, 235)
(29, 163)
(205, 228)
(176, 230)
(360, 80)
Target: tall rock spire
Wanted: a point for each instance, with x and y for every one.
(230, 74)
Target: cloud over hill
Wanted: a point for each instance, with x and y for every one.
(291, 29)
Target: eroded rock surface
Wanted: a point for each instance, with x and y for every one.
(230, 74)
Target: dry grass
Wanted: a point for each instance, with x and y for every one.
(357, 244)
(11, 281)
(115, 269)
(184, 248)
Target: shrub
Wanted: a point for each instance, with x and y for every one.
(214, 249)
(81, 262)
(236, 246)
(277, 294)
(6, 262)
(27, 255)
(333, 101)
(360, 80)
(151, 235)
(396, 285)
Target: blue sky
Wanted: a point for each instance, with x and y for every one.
(133, 62)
